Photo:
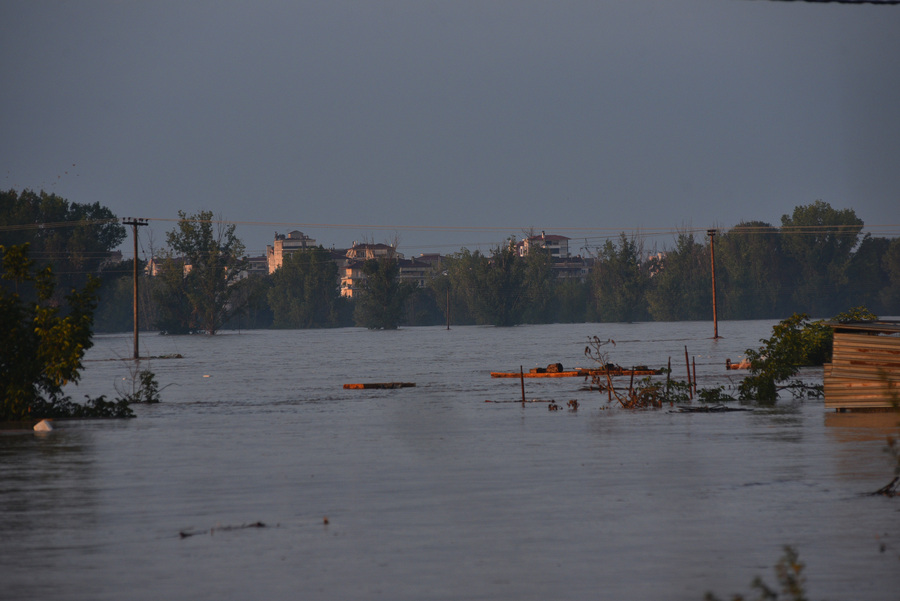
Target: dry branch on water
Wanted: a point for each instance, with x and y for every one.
(189, 533)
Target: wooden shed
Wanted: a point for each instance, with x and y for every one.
(864, 372)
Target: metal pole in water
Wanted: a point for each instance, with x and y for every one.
(712, 261)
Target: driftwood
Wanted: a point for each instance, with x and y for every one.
(709, 409)
(188, 533)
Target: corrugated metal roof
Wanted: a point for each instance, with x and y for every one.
(876, 327)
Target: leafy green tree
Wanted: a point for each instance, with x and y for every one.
(619, 281)
(571, 297)
(500, 294)
(74, 238)
(173, 311)
(304, 292)
(866, 275)
(681, 286)
(751, 272)
(795, 342)
(890, 294)
(380, 306)
(460, 279)
(213, 254)
(539, 285)
(821, 240)
(43, 343)
(251, 299)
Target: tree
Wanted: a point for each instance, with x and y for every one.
(821, 240)
(866, 274)
(752, 272)
(305, 291)
(539, 285)
(890, 294)
(43, 342)
(76, 239)
(681, 287)
(619, 281)
(212, 256)
(499, 290)
(380, 306)
(174, 313)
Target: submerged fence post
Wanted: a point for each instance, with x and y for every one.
(694, 359)
(687, 363)
(668, 378)
(522, 380)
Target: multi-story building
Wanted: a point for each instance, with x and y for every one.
(557, 246)
(284, 245)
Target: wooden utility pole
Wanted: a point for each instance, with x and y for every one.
(135, 222)
(712, 261)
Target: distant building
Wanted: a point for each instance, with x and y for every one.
(284, 246)
(572, 268)
(353, 279)
(364, 252)
(255, 266)
(556, 246)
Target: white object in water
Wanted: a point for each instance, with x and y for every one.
(43, 426)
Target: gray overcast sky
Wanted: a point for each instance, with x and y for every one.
(416, 116)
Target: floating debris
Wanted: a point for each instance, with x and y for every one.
(44, 425)
(709, 409)
(579, 372)
(189, 533)
(386, 385)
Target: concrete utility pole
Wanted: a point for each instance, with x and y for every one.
(135, 222)
(712, 260)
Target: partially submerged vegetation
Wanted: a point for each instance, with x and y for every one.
(795, 342)
(791, 582)
(43, 344)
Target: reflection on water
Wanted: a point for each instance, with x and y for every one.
(430, 492)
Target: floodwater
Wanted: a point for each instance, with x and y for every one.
(430, 492)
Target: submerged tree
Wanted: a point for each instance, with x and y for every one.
(619, 281)
(43, 342)
(380, 305)
(751, 269)
(821, 240)
(212, 258)
(681, 287)
(304, 292)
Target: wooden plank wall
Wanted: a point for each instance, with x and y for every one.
(864, 372)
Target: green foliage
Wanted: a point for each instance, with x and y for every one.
(304, 292)
(144, 388)
(619, 282)
(788, 571)
(820, 239)
(380, 306)
(890, 261)
(42, 343)
(682, 284)
(213, 254)
(502, 290)
(751, 272)
(795, 342)
(174, 312)
(713, 395)
(75, 239)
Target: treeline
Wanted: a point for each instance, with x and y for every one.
(817, 261)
